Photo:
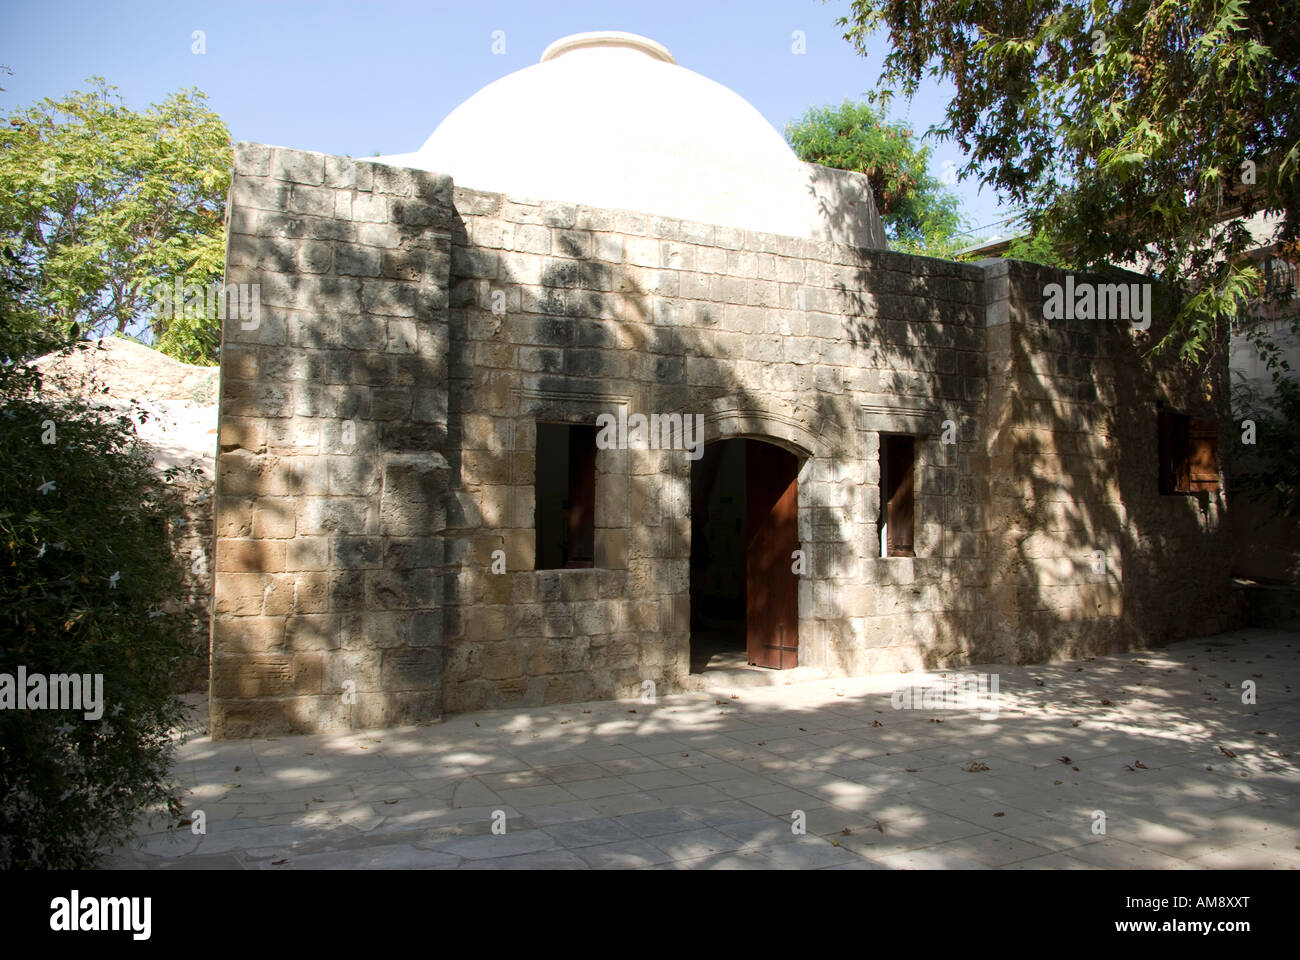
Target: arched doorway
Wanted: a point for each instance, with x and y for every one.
(744, 530)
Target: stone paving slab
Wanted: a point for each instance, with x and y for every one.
(1156, 743)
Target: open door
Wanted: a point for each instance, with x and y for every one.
(772, 526)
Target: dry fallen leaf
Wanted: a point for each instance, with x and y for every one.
(1227, 753)
(977, 766)
(1000, 813)
(276, 863)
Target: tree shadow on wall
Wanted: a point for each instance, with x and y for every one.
(1055, 541)
(581, 337)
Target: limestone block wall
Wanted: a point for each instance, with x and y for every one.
(1086, 554)
(919, 327)
(378, 448)
(561, 312)
(331, 478)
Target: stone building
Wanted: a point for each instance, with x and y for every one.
(905, 462)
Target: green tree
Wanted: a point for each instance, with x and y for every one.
(99, 204)
(920, 214)
(1131, 131)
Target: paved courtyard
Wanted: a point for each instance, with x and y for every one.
(1157, 747)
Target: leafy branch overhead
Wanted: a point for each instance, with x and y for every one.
(1145, 133)
(99, 204)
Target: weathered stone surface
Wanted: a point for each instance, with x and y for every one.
(378, 449)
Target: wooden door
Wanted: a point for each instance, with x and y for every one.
(772, 531)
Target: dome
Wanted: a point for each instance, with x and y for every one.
(610, 120)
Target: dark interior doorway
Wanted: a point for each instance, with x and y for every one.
(744, 529)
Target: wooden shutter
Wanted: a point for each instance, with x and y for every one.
(1189, 453)
(1202, 455)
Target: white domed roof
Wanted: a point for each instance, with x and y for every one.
(609, 120)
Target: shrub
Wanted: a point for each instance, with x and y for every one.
(88, 581)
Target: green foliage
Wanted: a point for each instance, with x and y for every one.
(1274, 475)
(1270, 471)
(1036, 248)
(99, 204)
(919, 213)
(88, 581)
(1126, 129)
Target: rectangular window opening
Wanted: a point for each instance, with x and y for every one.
(897, 519)
(1189, 453)
(565, 496)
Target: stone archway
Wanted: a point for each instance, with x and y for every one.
(802, 433)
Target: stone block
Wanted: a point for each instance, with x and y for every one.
(274, 520)
(247, 635)
(411, 669)
(299, 166)
(250, 556)
(335, 515)
(238, 594)
(311, 632)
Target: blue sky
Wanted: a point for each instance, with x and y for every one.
(360, 77)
